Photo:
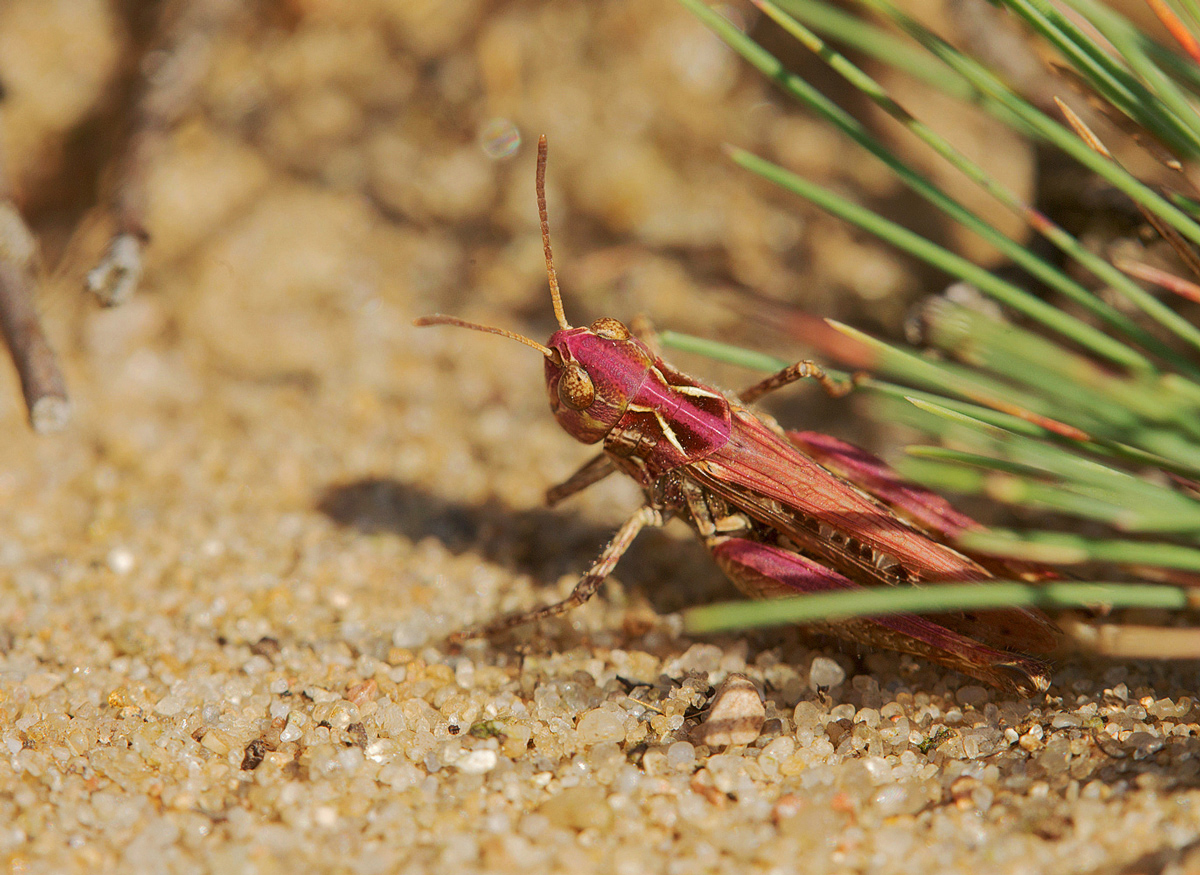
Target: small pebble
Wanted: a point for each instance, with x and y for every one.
(121, 560)
(699, 658)
(169, 706)
(292, 731)
(807, 715)
(825, 673)
(41, 682)
(215, 741)
(600, 725)
(736, 716)
(893, 800)
(681, 756)
(581, 807)
(478, 762)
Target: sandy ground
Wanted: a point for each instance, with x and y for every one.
(223, 587)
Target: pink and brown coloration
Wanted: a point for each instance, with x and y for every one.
(764, 501)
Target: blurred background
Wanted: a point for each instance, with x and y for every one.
(320, 172)
(310, 176)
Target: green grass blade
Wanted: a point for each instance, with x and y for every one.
(1046, 128)
(1166, 105)
(802, 91)
(905, 397)
(1054, 403)
(1067, 380)
(1029, 480)
(884, 45)
(1106, 75)
(942, 598)
(1131, 504)
(1063, 462)
(722, 352)
(1062, 548)
(1037, 267)
(1053, 318)
(876, 42)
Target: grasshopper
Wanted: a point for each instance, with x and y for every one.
(767, 503)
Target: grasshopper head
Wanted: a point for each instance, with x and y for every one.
(594, 375)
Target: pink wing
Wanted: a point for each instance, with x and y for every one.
(767, 477)
(766, 571)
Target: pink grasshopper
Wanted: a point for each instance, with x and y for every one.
(777, 520)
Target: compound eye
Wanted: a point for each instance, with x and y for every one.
(575, 388)
(610, 329)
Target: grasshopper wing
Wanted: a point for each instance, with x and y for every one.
(765, 571)
(829, 518)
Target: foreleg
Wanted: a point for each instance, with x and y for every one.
(593, 471)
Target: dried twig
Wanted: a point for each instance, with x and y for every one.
(171, 74)
(1182, 248)
(41, 380)
(1129, 641)
(1179, 285)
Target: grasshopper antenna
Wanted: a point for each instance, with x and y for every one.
(555, 294)
(439, 319)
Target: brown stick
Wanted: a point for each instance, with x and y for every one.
(41, 381)
(172, 73)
